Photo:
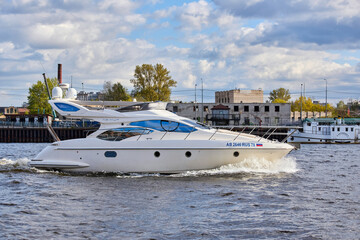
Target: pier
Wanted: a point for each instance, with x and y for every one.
(12, 134)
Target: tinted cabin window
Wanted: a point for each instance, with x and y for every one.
(119, 134)
(165, 126)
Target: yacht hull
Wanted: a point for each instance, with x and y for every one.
(170, 157)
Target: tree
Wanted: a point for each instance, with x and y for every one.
(309, 106)
(38, 96)
(278, 100)
(280, 93)
(152, 83)
(341, 109)
(115, 92)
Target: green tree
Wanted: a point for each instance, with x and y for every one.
(341, 109)
(115, 92)
(38, 96)
(280, 93)
(152, 83)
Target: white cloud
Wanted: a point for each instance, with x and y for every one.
(5, 47)
(194, 15)
(119, 7)
(62, 35)
(205, 66)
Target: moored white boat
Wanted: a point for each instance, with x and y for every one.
(335, 130)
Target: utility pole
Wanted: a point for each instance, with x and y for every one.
(195, 104)
(202, 101)
(301, 102)
(325, 97)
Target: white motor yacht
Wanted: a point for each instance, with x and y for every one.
(148, 138)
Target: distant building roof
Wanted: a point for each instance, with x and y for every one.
(220, 107)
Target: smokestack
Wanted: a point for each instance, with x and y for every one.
(60, 73)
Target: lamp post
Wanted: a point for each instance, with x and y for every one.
(202, 101)
(325, 97)
(301, 103)
(195, 104)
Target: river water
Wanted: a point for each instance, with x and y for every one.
(313, 193)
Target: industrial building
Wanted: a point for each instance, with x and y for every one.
(268, 114)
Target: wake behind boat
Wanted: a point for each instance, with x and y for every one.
(148, 138)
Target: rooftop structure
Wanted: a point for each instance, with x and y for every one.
(239, 96)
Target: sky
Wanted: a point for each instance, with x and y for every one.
(218, 44)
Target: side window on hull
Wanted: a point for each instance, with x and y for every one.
(119, 134)
(164, 126)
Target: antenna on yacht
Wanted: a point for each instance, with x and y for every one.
(48, 91)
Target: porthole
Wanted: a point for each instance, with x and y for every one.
(236, 154)
(157, 154)
(110, 154)
(188, 154)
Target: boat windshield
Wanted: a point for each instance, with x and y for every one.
(196, 124)
(165, 126)
(118, 134)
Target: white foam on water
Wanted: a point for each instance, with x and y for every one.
(18, 164)
(254, 165)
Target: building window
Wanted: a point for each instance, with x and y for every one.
(246, 121)
(346, 129)
(277, 120)
(319, 129)
(277, 108)
(338, 129)
(236, 108)
(333, 129)
(267, 109)
(246, 108)
(256, 108)
(352, 129)
(267, 120)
